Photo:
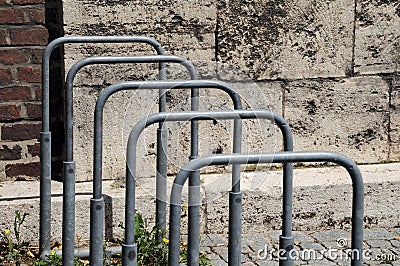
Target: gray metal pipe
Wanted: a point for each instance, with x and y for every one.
(280, 157)
(45, 135)
(68, 212)
(151, 85)
(235, 213)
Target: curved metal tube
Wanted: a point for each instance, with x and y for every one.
(69, 185)
(110, 60)
(280, 157)
(161, 85)
(235, 243)
(45, 135)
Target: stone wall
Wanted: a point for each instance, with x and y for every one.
(329, 67)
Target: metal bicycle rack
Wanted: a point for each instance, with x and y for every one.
(280, 157)
(69, 164)
(45, 134)
(190, 171)
(235, 195)
(97, 203)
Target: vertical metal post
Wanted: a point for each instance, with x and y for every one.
(45, 158)
(45, 195)
(68, 229)
(129, 248)
(235, 202)
(194, 188)
(96, 232)
(161, 164)
(286, 241)
(235, 228)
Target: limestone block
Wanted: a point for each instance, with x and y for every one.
(125, 109)
(182, 27)
(350, 116)
(286, 39)
(377, 41)
(144, 17)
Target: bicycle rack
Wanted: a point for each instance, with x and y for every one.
(280, 157)
(287, 157)
(235, 195)
(98, 202)
(45, 134)
(69, 166)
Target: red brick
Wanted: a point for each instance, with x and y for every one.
(11, 15)
(9, 112)
(17, 93)
(37, 15)
(38, 92)
(9, 56)
(34, 111)
(3, 37)
(5, 76)
(36, 56)
(23, 169)
(29, 74)
(10, 154)
(20, 131)
(37, 35)
(34, 149)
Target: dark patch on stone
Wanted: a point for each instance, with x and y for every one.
(218, 150)
(311, 107)
(250, 25)
(363, 137)
(305, 215)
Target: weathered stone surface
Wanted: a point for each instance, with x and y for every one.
(377, 41)
(123, 110)
(350, 116)
(264, 40)
(286, 39)
(314, 207)
(184, 28)
(143, 17)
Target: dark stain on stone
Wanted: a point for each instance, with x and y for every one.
(218, 150)
(243, 22)
(363, 137)
(311, 107)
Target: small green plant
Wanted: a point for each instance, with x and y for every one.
(10, 251)
(18, 221)
(151, 251)
(7, 247)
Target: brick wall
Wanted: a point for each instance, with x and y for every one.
(23, 36)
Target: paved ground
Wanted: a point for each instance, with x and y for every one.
(321, 200)
(325, 247)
